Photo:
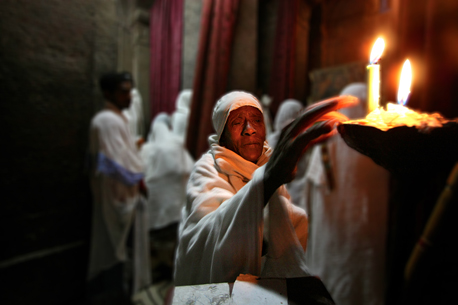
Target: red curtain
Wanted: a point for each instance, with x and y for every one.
(282, 74)
(212, 69)
(166, 30)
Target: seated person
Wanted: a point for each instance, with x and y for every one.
(237, 207)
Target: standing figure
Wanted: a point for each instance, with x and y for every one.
(167, 169)
(116, 173)
(134, 115)
(348, 224)
(180, 117)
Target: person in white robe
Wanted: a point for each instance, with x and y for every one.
(225, 232)
(288, 111)
(134, 115)
(167, 168)
(180, 117)
(266, 100)
(348, 225)
(116, 173)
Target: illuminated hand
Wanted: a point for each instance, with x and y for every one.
(315, 124)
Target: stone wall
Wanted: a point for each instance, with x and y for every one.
(51, 53)
(191, 27)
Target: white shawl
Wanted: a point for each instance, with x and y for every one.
(223, 225)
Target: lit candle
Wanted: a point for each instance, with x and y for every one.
(373, 88)
(398, 114)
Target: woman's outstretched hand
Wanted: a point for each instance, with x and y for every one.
(315, 124)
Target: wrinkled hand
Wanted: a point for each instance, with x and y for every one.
(314, 125)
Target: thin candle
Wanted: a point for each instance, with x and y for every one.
(373, 87)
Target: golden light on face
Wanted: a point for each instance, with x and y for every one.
(245, 133)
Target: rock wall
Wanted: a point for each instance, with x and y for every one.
(51, 53)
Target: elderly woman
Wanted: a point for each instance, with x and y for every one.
(225, 232)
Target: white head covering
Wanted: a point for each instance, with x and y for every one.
(160, 127)
(181, 115)
(358, 90)
(134, 114)
(287, 112)
(183, 101)
(225, 105)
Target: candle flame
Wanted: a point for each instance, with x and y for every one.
(404, 84)
(377, 51)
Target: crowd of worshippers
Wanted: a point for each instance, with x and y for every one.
(294, 202)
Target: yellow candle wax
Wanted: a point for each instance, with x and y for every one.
(373, 87)
(373, 76)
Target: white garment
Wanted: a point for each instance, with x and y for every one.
(180, 117)
(347, 229)
(134, 115)
(224, 225)
(167, 169)
(116, 173)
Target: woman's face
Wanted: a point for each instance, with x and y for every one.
(245, 133)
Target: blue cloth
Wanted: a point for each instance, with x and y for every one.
(114, 170)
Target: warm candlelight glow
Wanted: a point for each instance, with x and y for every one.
(404, 84)
(377, 51)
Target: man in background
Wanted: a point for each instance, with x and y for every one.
(116, 174)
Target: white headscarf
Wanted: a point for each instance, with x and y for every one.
(287, 112)
(181, 115)
(183, 101)
(134, 114)
(160, 128)
(225, 105)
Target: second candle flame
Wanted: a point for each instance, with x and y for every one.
(404, 83)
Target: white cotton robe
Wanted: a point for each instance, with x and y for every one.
(115, 176)
(347, 228)
(225, 220)
(167, 168)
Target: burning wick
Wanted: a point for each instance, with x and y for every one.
(373, 88)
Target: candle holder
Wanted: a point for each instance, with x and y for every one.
(405, 149)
